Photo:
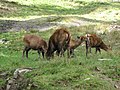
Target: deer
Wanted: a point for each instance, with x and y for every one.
(58, 41)
(34, 42)
(93, 41)
(73, 44)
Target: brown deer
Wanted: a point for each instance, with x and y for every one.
(58, 41)
(73, 44)
(34, 42)
(93, 41)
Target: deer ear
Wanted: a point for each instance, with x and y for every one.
(78, 37)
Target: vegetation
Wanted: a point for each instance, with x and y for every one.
(61, 73)
(87, 9)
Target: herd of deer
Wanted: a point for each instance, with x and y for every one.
(60, 41)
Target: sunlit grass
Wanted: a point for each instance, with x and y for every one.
(24, 10)
(63, 3)
(104, 14)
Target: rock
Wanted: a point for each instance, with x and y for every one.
(4, 41)
(104, 59)
(97, 69)
(18, 82)
(21, 71)
(3, 75)
(86, 79)
(116, 86)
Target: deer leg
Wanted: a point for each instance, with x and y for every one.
(86, 48)
(58, 52)
(52, 54)
(90, 49)
(86, 51)
(39, 54)
(43, 51)
(72, 52)
(25, 50)
(99, 50)
(68, 52)
(50, 51)
(43, 54)
(96, 50)
(28, 49)
(62, 52)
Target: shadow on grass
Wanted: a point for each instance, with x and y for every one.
(40, 24)
(45, 9)
(12, 25)
(46, 23)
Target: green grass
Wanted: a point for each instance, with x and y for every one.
(62, 73)
(100, 11)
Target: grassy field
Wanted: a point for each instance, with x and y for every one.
(61, 73)
(99, 11)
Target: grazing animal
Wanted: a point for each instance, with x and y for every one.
(58, 41)
(93, 41)
(36, 43)
(73, 44)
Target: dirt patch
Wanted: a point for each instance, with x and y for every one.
(40, 24)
